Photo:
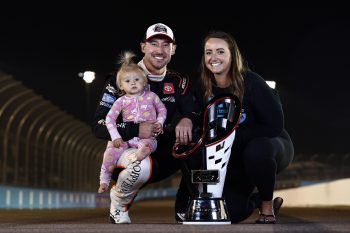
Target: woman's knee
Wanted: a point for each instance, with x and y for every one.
(238, 207)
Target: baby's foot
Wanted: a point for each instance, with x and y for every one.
(103, 188)
(142, 152)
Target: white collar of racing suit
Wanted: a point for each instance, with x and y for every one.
(152, 77)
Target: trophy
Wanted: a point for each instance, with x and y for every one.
(220, 120)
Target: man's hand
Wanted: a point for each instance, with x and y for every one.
(147, 129)
(158, 128)
(183, 131)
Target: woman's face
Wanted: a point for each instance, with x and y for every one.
(217, 56)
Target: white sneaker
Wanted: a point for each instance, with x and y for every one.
(119, 217)
(180, 217)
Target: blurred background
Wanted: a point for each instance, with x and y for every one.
(50, 159)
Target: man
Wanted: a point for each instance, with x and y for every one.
(158, 47)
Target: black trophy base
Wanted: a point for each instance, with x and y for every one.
(207, 211)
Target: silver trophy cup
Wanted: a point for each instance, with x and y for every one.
(220, 119)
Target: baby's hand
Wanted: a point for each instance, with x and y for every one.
(117, 142)
(103, 188)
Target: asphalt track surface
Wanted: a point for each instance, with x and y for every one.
(154, 216)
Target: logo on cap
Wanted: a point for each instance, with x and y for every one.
(159, 29)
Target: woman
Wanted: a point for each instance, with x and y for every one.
(262, 147)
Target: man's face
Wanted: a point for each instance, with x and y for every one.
(157, 53)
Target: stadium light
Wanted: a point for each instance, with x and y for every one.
(272, 84)
(88, 76)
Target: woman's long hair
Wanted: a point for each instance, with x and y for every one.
(236, 69)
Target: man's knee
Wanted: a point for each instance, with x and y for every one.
(135, 174)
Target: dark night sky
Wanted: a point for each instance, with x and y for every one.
(305, 50)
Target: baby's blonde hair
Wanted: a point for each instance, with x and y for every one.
(127, 64)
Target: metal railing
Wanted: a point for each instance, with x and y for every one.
(41, 146)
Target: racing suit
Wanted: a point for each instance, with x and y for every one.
(172, 90)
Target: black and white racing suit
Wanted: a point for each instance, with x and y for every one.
(172, 90)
